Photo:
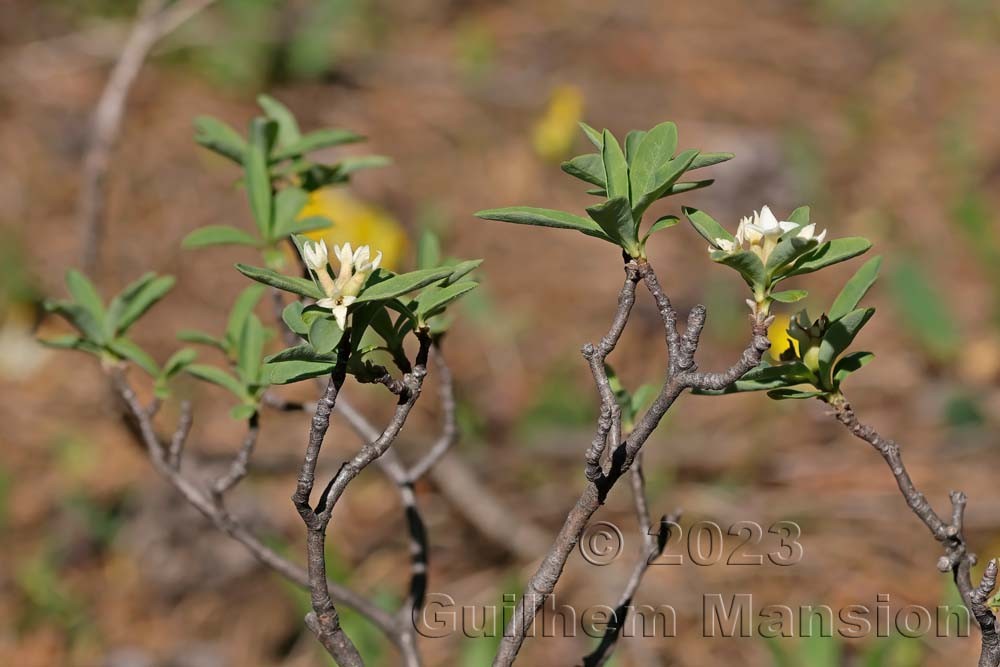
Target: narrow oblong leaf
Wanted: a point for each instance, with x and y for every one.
(303, 225)
(827, 254)
(85, 294)
(295, 285)
(543, 217)
(855, 288)
(793, 394)
(241, 310)
(687, 186)
(747, 263)
(250, 349)
(657, 149)
(663, 179)
(325, 334)
(588, 168)
(348, 165)
(706, 225)
(218, 377)
(302, 352)
(136, 305)
(709, 159)
(848, 364)
(838, 337)
(314, 141)
(615, 167)
(632, 141)
(615, 218)
(402, 284)
(460, 270)
(126, 349)
(596, 137)
(800, 216)
(218, 235)
(257, 177)
(666, 222)
(435, 299)
(787, 250)
(200, 337)
(789, 296)
(177, 362)
(287, 205)
(292, 317)
(428, 250)
(220, 138)
(286, 372)
(79, 317)
(288, 128)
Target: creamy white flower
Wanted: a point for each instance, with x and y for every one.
(355, 267)
(765, 224)
(809, 233)
(315, 255)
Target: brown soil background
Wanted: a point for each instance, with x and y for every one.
(884, 121)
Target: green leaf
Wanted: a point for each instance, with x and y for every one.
(243, 411)
(687, 186)
(664, 178)
(240, 312)
(615, 167)
(287, 205)
(126, 349)
(800, 216)
(709, 159)
(292, 317)
(656, 150)
(855, 289)
(325, 334)
(401, 284)
(250, 349)
(200, 337)
(257, 176)
(543, 217)
(460, 270)
(286, 372)
(177, 362)
(218, 377)
(314, 141)
(747, 263)
(288, 128)
(300, 286)
(310, 224)
(789, 394)
(136, 302)
(428, 250)
(85, 294)
(434, 300)
(64, 342)
(789, 296)
(666, 222)
(706, 225)
(848, 364)
(827, 254)
(216, 136)
(218, 235)
(615, 218)
(595, 137)
(588, 168)
(353, 163)
(296, 363)
(787, 250)
(632, 141)
(838, 337)
(79, 317)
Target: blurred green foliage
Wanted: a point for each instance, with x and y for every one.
(922, 310)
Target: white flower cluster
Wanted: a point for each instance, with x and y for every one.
(355, 267)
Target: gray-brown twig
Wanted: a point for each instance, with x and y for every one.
(156, 18)
(680, 374)
(957, 558)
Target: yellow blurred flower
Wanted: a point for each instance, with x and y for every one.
(358, 223)
(556, 130)
(777, 333)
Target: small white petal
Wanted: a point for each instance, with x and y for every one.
(807, 231)
(376, 261)
(787, 226)
(348, 300)
(725, 245)
(327, 303)
(340, 314)
(767, 219)
(821, 236)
